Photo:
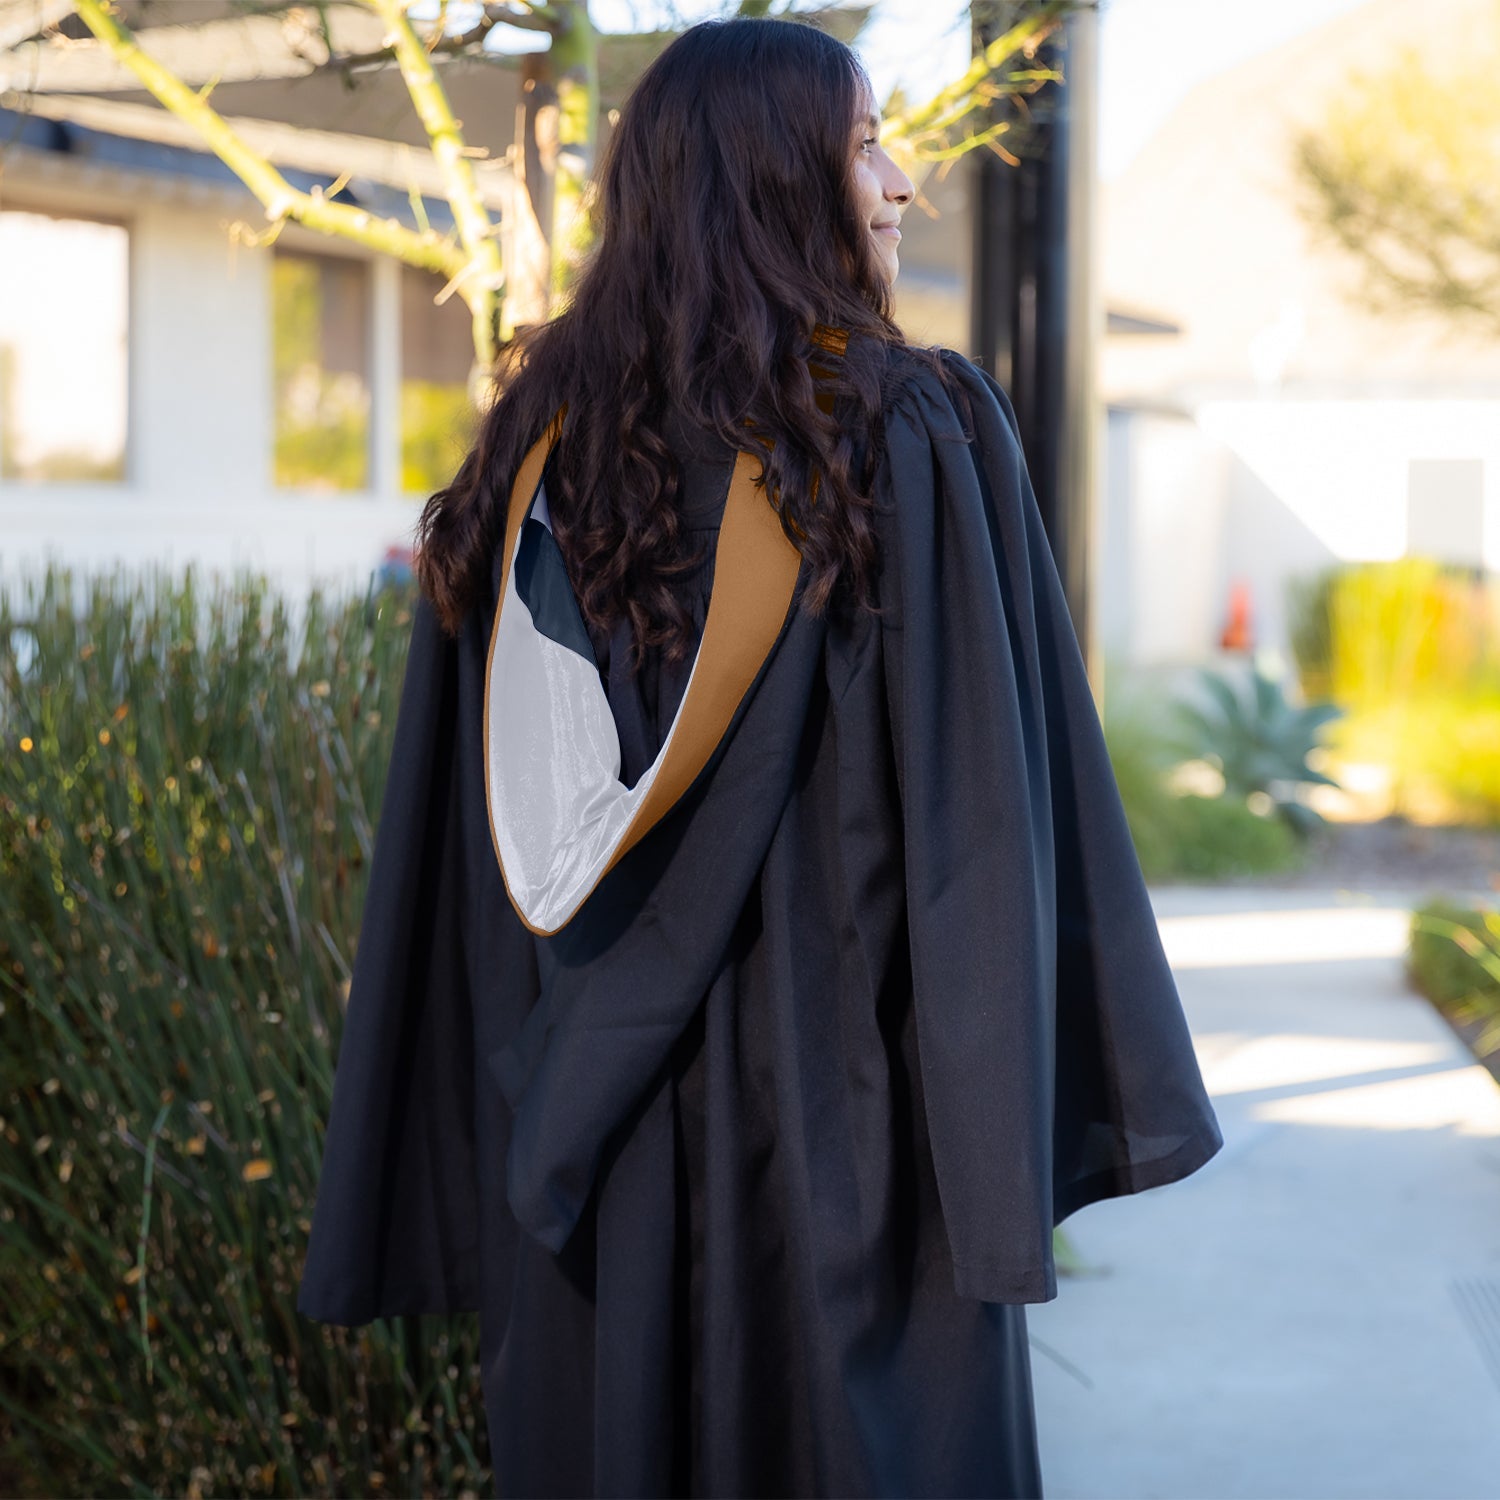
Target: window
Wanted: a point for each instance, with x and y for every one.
(64, 299)
(321, 368)
(438, 425)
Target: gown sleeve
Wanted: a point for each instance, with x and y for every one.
(396, 1223)
(1056, 1060)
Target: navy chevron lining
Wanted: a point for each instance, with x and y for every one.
(543, 586)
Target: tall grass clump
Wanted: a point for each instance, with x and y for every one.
(1411, 650)
(1453, 958)
(189, 783)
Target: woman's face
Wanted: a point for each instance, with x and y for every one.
(881, 189)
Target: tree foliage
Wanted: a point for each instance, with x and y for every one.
(1404, 175)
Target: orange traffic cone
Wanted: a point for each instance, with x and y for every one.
(1238, 634)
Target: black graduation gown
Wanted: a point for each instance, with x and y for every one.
(751, 1168)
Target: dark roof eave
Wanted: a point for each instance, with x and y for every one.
(84, 143)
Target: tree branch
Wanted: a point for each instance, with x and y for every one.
(924, 128)
(485, 274)
(523, 18)
(280, 199)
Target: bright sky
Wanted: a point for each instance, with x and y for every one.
(1153, 51)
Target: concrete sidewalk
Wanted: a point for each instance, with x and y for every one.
(1316, 1312)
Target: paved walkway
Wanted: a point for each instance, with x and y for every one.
(1316, 1312)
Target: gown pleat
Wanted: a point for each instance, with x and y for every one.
(759, 1297)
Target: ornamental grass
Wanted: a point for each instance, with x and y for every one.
(189, 785)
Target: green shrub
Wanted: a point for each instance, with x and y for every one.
(1310, 630)
(1453, 958)
(1184, 837)
(1366, 632)
(1440, 751)
(1411, 650)
(1409, 628)
(1141, 758)
(188, 790)
(1219, 836)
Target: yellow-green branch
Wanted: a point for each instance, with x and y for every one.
(575, 62)
(430, 251)
(486, 277)
(967, 92)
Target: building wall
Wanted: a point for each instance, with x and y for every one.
(1167, 508)
(1113, 564)
(1268, 490)
(199, 483)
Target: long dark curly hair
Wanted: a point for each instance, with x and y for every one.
(726, 246)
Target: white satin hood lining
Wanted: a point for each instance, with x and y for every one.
(558, 808)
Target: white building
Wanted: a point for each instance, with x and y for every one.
(171, 390)
(1284, 427)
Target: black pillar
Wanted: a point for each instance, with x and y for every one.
(1035, 316)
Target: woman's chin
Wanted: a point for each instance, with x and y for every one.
(886, 258)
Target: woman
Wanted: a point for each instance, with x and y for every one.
(756, 966)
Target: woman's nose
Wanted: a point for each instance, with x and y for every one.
(899, 189)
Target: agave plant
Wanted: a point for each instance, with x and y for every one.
(1259, 741)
